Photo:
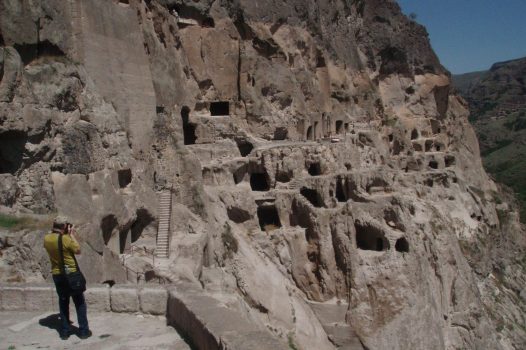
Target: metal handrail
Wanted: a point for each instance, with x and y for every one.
(138, 274)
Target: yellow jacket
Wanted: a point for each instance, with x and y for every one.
(69, 245)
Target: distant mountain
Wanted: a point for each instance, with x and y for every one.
(464, 82)
(497, 100)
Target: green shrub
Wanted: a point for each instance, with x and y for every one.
(17, 223)
(292, 345)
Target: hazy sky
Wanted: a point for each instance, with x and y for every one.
(471, 35)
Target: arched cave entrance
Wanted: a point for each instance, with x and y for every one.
(369, 237)
(402, 245)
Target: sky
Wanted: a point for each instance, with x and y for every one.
(471, 35)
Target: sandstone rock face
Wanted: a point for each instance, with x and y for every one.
(323, 176)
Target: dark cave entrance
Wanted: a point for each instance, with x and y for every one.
(370, 238)
(268, 217)
(433, 164)
(402, 245)
(309, 133)
(314, 169)
(340, 193)
(244, 147)
(125, 177)
(414, 134)
(283, 176)
(188, 128)
(144, 219)
(107, 225)
(339, 126)
(449, 160)
(259, 182)
(312, 196)
(220, 108)
(12, 147)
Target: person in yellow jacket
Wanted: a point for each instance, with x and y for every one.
(70, 247)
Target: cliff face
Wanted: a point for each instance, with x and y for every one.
(321, 171)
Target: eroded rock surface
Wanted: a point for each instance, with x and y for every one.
(323, 176)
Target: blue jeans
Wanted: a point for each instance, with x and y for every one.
(64, 292)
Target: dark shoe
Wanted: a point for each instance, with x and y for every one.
(64, 335)
(85, 335)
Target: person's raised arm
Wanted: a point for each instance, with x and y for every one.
(74, 240)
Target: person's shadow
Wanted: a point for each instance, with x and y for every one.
(53, 322)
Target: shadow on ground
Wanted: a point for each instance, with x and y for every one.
(53, 322)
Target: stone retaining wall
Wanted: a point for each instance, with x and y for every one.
(119, 298)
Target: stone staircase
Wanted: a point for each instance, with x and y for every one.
(163, 232)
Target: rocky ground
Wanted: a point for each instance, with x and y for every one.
(27, 330)
(308, 160)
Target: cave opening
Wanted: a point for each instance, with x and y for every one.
(397, 147)
(314, 169)
(315, 131)
(370, 238)
(280, 133)
(268, 217)
(428, 145)
(144, 219)
(259, 182)
(188, 128)
(435, 127)
(107, 225)
(283, 176)
(449, 160)
(220, 108)
(238, 215)
(309, 133)
(402, 245)
(312, 196)
(414, 134)
(433, 164)
(125, 177)
(12, 147)
(339, 126)
(340, 193)
(244, 146)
